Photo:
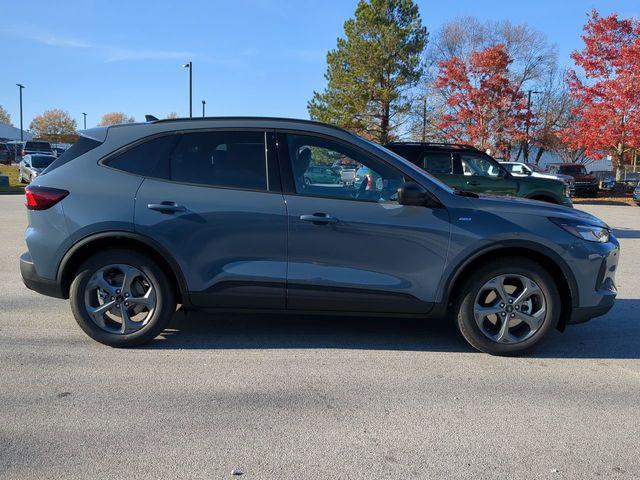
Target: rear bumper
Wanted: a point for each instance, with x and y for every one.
(32, 281)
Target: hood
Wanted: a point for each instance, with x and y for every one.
(542, 182)
(523, 206)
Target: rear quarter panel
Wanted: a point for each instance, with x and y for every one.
(100, 199)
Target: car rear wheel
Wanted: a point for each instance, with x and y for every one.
(508, 306)
(122, 298)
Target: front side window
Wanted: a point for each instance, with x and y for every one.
(375, 181)
(516, 168)
(478, 166)
(224, 159)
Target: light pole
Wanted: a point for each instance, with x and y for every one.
(85, 120)
(528, 124)
(21, 87)
(190, 67)
(203, 103)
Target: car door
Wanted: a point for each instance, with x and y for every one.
(353, 248)
(482, 174)
(212, 203)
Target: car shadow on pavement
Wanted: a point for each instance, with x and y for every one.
(614, 336)
(207, 330)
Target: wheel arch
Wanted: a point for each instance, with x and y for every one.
(87, 246)
(545, 197)
(551, 261)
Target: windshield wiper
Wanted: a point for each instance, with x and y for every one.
(465, 193)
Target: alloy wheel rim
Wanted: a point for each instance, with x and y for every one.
(120, 299)
(510, 308)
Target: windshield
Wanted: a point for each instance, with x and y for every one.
(41, 161)
(573, 170)
(535, 168)
(38, 146)
(406, 162)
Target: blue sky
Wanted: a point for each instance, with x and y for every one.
(251, 57)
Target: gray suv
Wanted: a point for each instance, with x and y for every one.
(215, 213)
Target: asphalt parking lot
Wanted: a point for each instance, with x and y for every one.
(311, 398)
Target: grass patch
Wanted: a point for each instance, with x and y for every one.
(14, 185)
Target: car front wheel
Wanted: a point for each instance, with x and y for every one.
(507, 306)
(122, 298)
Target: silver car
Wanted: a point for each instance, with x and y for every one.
(32, 165)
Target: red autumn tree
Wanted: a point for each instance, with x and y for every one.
(607, 101)
(485, 106)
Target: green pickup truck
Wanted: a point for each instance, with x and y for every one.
(464, 167)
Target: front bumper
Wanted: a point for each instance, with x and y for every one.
(586, 189)
(34, 282)
(594, 267)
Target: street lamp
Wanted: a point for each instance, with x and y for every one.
(85, 120)
(528, 124)
(20, 87)
(203, 103)
(190, 67)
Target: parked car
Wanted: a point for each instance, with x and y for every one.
(5, 154)
(36, 147)
(59, 151)
(466, 168)
(319, 174)
(215, 214)
(15, 147)
(347, 170)
(32, 165)
(607, 183)
(636, 194)
(586, 184)
(522, 169)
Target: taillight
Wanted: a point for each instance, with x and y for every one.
(41, 198)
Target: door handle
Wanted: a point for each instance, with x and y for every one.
(166, 207)
(319, 219)
(474, 183)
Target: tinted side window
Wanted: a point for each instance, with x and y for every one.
(143, 159)
(437, 162)
(224, 159)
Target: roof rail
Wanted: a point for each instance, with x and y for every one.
(435, 144)
(241, 117)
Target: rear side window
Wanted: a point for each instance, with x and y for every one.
(144, 159)
(223, 159)
(437, 162)
(82, 146)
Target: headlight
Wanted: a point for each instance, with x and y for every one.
(591, 233)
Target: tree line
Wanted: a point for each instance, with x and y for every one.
(495, 85)
(58, 126)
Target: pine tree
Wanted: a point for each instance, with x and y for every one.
(372, 69)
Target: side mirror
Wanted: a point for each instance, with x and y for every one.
(411, 194)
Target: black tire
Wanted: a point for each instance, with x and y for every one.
(464, 304)
(165, 298)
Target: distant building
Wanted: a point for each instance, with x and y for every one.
(7, 132)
